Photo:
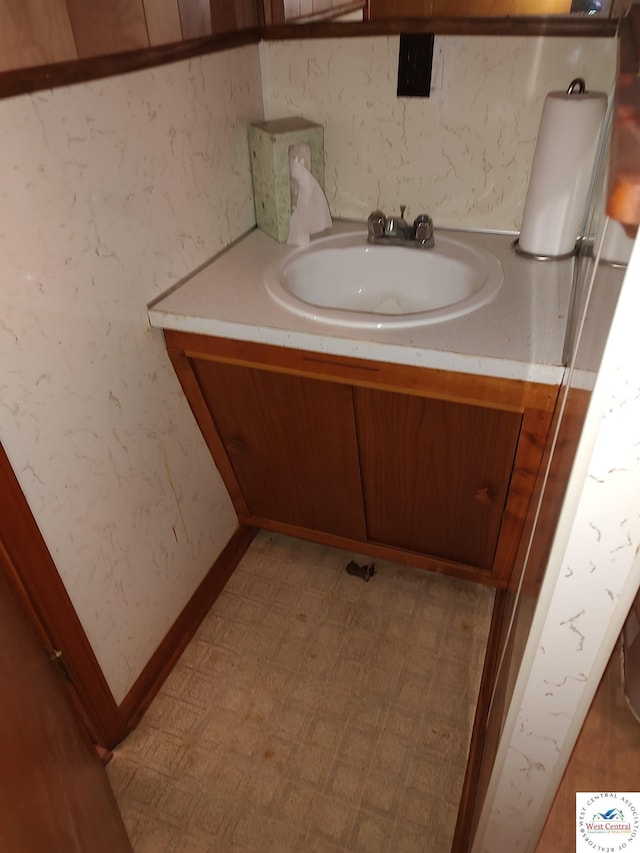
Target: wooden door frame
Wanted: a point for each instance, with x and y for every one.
(26, 560)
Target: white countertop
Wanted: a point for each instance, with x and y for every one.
(519, 335)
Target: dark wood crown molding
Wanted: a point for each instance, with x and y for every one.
(516, 26)
(25, 80)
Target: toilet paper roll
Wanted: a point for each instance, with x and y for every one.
(561, 172)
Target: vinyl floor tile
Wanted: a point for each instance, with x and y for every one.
(311, 712)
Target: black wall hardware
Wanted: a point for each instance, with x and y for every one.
(415, 59)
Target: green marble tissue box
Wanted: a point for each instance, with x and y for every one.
(269, 143)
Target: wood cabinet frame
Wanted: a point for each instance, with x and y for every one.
(535, 402)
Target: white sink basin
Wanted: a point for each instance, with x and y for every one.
(346, 281)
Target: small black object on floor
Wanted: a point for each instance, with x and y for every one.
(364, 572)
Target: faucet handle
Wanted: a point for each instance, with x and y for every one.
(376, 225)
(423, 231)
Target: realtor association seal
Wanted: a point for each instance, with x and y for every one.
(608, 822)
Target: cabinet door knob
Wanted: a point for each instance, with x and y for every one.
(484, 496)
(236, 445)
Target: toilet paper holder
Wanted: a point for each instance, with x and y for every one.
(561, 173)
(578, 85)
(533, 256)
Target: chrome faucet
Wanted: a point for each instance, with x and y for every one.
(396, 231)
(398, 228)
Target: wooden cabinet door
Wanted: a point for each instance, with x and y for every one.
(54, 792)
(435, 473)
(291, 442)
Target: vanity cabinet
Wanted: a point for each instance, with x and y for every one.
(426, 467)
(292, 444)
(435, 473)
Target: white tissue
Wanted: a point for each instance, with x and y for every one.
(311, 212)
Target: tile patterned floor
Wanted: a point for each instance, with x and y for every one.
(311, 712)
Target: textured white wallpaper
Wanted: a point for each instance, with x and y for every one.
(463, 155)
(110, 192)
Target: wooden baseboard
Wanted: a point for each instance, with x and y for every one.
(465, 823)
(139, 697)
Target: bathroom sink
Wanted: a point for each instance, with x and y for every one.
(346, 281)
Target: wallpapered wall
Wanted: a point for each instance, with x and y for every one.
(111, 192)
(463, 155)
